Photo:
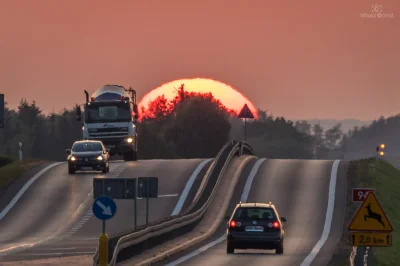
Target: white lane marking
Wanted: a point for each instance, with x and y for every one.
(250, 179)
(164, 196)
(25, 188)
(223, 237)
(328, 218)
(14, 249)
(168, 195)
(57, 248)
(84, 239)
(59, 253)
(189, 184)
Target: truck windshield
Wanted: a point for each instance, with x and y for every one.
(102, 112)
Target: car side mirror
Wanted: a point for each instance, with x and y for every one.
(283, 219)
(68, 151)
(226, 218)
(107, 150)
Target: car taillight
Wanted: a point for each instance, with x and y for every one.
(275, 225)
(233, 224)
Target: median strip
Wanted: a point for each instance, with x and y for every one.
(208, 225)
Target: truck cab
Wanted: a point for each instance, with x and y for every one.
(110, 115)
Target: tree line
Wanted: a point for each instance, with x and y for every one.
(192, 125)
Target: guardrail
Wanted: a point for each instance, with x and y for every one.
(127, 244)
(361, 256)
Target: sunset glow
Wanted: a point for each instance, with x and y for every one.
(228, 96)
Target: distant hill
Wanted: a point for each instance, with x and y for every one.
(347, 124)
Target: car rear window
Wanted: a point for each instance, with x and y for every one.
(255, 213)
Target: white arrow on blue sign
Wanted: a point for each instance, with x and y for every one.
(104, 208)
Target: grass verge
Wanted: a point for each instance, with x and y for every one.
(385, 178)
(15, 169)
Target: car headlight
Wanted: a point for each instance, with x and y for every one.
(129, 140)
(73, 158)
(100, 158)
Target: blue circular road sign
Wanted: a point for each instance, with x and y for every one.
(104, 208)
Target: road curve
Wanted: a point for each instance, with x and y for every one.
(55, 214)
(300, 190)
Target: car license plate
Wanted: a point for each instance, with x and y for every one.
(110, 146)
(254, 229)
(86, 168)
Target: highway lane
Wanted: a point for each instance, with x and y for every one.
(47, 208)
(299, 189)
(80, 234)
(52, 204)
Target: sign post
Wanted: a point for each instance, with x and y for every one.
(104, 208)
(2, 110)
(245, 113)
(370, 227)
(147, 188)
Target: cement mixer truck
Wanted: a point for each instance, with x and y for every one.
(110, 115)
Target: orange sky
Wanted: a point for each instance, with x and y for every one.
(314, 59)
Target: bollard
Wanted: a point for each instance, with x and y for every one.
(103, 250)
(20, 151)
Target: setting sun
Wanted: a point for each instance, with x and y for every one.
(228, 96)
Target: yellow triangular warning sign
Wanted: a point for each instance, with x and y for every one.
(370, 216)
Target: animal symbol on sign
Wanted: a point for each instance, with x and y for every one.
(373, 215)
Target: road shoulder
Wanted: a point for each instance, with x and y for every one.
(8, 193)
(382, 176)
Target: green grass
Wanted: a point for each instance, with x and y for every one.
(385, 178)
(15, 169)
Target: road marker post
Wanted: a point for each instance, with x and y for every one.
(103, 250)
(245, 113)
(370, 226)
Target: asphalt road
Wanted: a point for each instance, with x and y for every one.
(299, 189)
(53, 217)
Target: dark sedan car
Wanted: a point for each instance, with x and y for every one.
(88, 155)
(255, 226)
